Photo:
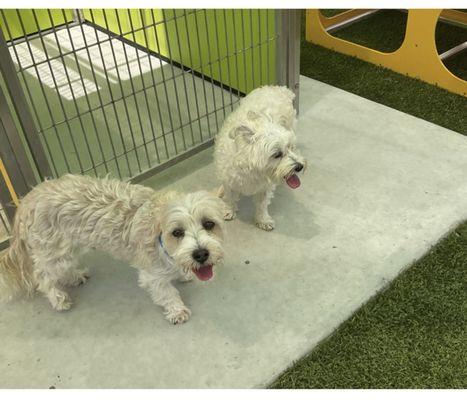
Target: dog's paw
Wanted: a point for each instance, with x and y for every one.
(75, 278)
(78, 279)
(178, 315)
(229, 215)
(266, 225)
(83, 279)
(60, 300)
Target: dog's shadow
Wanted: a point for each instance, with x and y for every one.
(293, 216)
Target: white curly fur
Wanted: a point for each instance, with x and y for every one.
(60, 219)
(262, 127)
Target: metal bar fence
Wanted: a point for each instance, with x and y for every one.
(126, 92)
(17, 174)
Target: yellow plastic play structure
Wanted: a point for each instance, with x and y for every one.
(417, 56)
(8, 183)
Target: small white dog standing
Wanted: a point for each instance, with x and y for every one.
(165, 235)
(255, 151)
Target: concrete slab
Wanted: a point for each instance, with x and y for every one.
(381, 189)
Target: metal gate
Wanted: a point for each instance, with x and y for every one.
(129, 92)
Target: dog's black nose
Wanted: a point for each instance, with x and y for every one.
(298, 167)
(200, 255)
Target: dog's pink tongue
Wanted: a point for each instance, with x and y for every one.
(293, 181)
(204, 273)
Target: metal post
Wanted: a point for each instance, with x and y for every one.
(288, 50)
(7, 69)
(78, 16)
(12, 152)
(293, 71)
(281, 46)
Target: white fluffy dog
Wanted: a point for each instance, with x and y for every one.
(255, 151)
(165, 235)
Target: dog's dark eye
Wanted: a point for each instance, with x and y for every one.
(178, 233)
(278, 154)
(208, 225)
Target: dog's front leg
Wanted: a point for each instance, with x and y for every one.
(164, 294)
(230, 199)
(262, 218)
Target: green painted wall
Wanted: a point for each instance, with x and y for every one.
(237, 30)
(44, 20)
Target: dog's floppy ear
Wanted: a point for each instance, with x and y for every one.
(253, 115)
(147, 220)
(156, 205)
(160, 199)
(242, 131)
(284, 121)
(287, 118)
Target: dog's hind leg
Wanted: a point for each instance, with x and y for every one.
(262, 218)
(48, 273)
(230, 199)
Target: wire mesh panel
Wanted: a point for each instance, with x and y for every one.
(126, 91)
(16, 171)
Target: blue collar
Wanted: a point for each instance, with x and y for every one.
(163, 248)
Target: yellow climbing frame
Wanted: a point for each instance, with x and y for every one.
(417, 56)
(8, 183)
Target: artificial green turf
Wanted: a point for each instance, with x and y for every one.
(412, 335)
(448, 36)
(384, 86)
(383, 31)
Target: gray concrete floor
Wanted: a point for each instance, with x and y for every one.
(382, 188)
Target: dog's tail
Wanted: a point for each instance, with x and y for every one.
(16, 272)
